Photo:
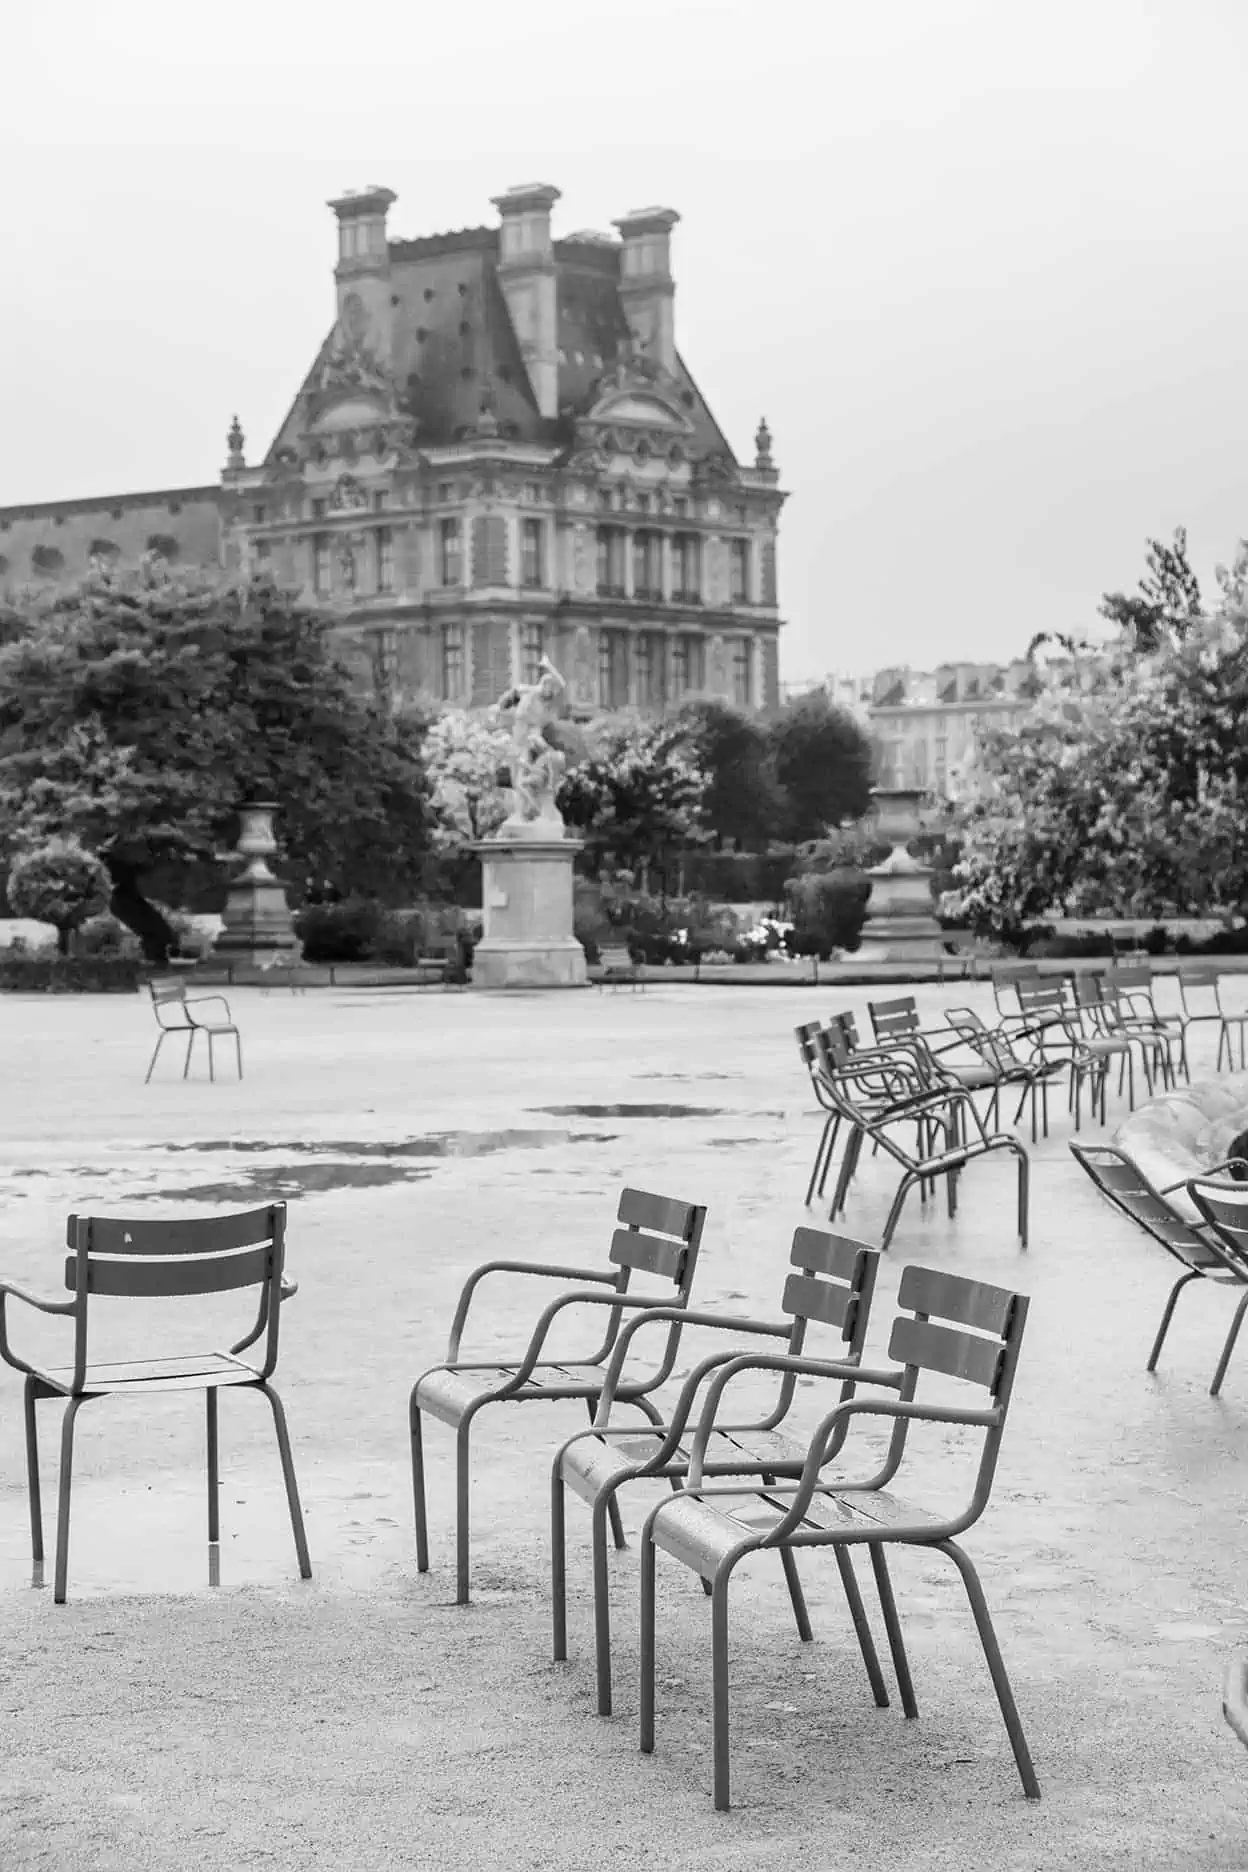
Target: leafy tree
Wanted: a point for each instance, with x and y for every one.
(822, 761)
(1167, 603)
(1129, 796)
(637, 794)
(61, 883)
(139, 710)
(743, 800)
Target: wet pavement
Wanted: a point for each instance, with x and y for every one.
(408, 1137)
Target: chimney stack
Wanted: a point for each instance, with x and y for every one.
(526, 273)
(363, 270)
(647, 290)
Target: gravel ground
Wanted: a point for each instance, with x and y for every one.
(362, 1720)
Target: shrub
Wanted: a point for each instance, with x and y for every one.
(59, 882)
(106, 936)
(60, 974)
(339, 932)
(399, 938)
(829, 909)
(1086, 945)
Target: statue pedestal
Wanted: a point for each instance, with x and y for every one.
(902, 926)
(256, 923)
(526, 897)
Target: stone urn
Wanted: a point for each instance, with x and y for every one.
(901, 926)
(256, 924)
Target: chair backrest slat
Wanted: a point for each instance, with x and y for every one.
(807, 1297)
(943, 1349)
(144, 1277)
(1226, 1209)
(648, 1254)
(952, 1297)
(817, 1251)
(175, 1236)
(892, 1019)
(639, 1209)
(1122, 1183)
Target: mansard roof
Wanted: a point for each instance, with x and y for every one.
(453, 343)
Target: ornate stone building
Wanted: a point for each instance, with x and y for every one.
(498, 453)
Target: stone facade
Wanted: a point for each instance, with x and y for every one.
(497, 454)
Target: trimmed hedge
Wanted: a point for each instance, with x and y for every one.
(57, 974)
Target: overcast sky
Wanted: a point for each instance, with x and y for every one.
(981, 265)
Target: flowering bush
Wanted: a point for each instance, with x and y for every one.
(1124, 794)
(59, 882)
(466, 759)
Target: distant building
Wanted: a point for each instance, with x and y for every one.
(498, 453)
(926, 721)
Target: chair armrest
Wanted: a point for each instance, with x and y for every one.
(799, 1365)
(289, 1288)
(200, 1000)
(548, 1317)
(1212, 1171)
(545, 1270)
(9, 1289)
(718, 1322)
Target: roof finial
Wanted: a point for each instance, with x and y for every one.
(762, 444)
(235, 440)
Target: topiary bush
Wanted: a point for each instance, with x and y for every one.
(59, 882)
(828, 910)
(339, 932)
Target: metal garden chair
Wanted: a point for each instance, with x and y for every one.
(1056, 1035)
(1200, 995)
(833, 1286)
(157, 1259)
(170, 1002)
(945, 1108)
(658, 1236)
(1224, 1207)
(960, 1328)
(1102, 1007)
(1198, 1248)
(1011, 1069)
(1128, 989)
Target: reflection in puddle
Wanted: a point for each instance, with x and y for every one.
(275, 1182)
(630, 1111)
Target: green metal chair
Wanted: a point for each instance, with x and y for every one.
(1200, 996)
(833, 1286)
(151, 1259)
(1195, 1246)
(959, 1328)
(658, 1236)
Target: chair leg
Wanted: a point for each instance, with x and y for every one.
(211, 1074)
(646, 1676)
(602, 1599)
(288, 1476)
(463, 1503)
(238, 1051)
(155, 1055)
(214, 1472)
(892, 1625)
(558, 1565)
(797, 1598)
(996, 1665)
(894, 1214)
(32, 1475)
(617, 1526)
(1229, 1347)
(186, 1064)
(720, 1738)
(1167, 1316)
(858, 1613)
(74, 1405)
(418, 1484)
(1024, 1193)
(820, 1157)
(829, 1153)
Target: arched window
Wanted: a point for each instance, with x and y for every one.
(47, 561)
(105, 549)
(164, 546)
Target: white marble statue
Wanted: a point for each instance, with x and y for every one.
(536, 766)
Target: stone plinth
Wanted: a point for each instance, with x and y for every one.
(901, 926)
(256, 923)
(526, 897)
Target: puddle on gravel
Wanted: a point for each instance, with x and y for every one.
(276, 1182)
(629, 1111)
(438, 1144)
